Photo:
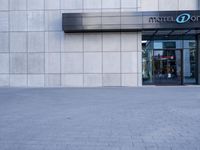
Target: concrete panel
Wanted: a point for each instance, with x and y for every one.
(35, 4)
(92, 62)
(4, 80)
(110, 4)
(92, 4)
(188, 5)
(139, 41)
(139, 66)
(72, 63)
(72, 80)
(71, 4)
(52, 63)
(129, 41)
(128, 4)
(139, 79)
(198, 1)
(36, 21)
(52, 41)
(92, 80)
(4, 21)
(35, 63)
(139, 4)
(168, 5)
(111, 10)
(111, 42)
(92, 10)
(4, 44)
(92, 42)
(18, 63)
(52, 80)
(36, 42)
(72, 42)
(53, 20)
(18, 42)
(129, 9)
(4, 4)
(111, 62)
(18, 21)
(149, 5)
(18, 4)
(129, 80)
(18, 80)
(72, 10)
(52, 4)
(4, 63)
(35, 80)
(129, 62)
(111, 80)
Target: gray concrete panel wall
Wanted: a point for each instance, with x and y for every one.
(198, 4)
(35, 52)
(164, 5)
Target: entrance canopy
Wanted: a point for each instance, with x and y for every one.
(176, 34)
(185, 21)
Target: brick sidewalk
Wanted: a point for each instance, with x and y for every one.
(159, 118)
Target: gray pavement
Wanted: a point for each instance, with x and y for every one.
(148, 118)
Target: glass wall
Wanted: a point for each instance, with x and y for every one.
(167, 59)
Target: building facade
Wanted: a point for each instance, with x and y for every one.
(36, 52)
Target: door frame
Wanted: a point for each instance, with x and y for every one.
(182, 65)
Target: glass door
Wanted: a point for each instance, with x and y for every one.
(167, 67)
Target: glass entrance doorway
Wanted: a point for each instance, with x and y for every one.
(167, 66)
(169, 62)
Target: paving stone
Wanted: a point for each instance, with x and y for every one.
(147, 118)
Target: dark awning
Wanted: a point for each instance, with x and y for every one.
(130, 21)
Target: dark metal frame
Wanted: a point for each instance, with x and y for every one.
(182, 66)
(197, 58)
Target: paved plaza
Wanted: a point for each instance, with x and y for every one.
(147, 118)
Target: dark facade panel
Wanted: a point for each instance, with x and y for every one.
(130, 21)
(115, 20)
(91, 21)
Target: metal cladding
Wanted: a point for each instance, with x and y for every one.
(130, 21)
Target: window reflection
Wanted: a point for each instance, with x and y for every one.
(161, 57)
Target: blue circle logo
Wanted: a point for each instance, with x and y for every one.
(183, 18)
